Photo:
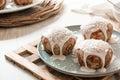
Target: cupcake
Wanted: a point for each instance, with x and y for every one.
(59, 42)
(2, 4)
(23, 2)
(100, 29)
(94, 54)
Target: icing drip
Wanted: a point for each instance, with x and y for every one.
(95, 47)
(113, 58)
(59, 37)
(60, 57)
(85, 69)
(102, 70)
(75, 60)
(114, 39)
(87, 30)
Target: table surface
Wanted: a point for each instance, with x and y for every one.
(13, 38)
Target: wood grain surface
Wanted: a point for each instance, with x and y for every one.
(27, 58)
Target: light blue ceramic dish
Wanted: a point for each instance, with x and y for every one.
(69, 67)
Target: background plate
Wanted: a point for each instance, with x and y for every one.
(69, 67)
(11, 7)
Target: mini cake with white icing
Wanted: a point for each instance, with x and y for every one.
(99, 28)
(59, 43)
(94, 55)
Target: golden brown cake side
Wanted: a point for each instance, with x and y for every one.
(109, 31)
(2, 4)
(94, 61)
(66, 49)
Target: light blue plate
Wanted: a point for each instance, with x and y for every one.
(69, 67)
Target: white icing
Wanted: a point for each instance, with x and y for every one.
(59, 37)
(73, 71)
(87, 30)
(113, 39)
(60, 57)
(94, 47)
(102, 70)
(85, 69)
(75, 60)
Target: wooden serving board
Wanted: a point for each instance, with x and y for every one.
(27, 58)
